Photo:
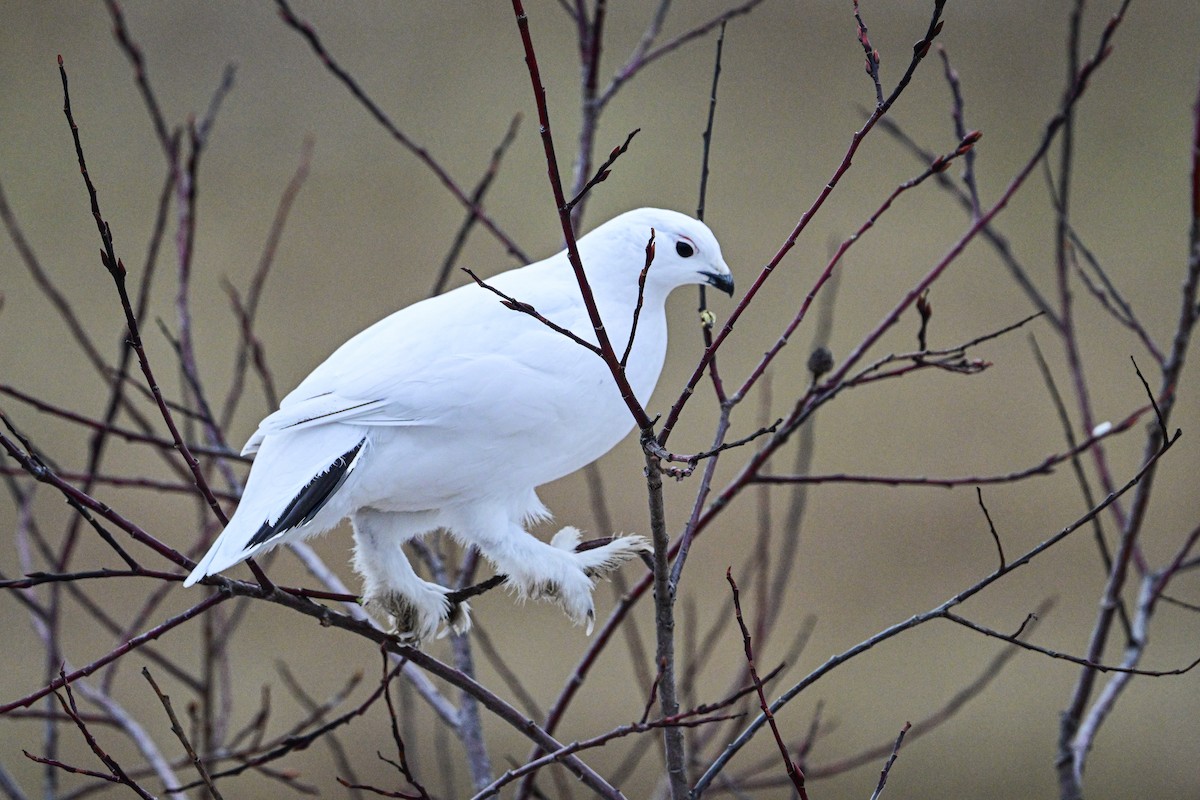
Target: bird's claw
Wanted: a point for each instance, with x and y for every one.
(417, 620)
(571, 581)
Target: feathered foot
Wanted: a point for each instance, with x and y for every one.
(567, 578)
(415, 619)
(598, 560)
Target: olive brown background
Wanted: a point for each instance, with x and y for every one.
(372, 224)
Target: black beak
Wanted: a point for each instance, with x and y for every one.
(722, 282)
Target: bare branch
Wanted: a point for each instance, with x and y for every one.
(918, 54)
(604, 170)
(793, 772)
(525, 308)
(991, 527)
(939, 611)
(423, 155)
(68, 706)
(887, 768)
(477, 195)
(116, 653)
(179, 732)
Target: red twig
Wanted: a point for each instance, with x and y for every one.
(43, 474)
(872, 54)
(1000, 244)
(118, 652)
(919, 51)
(53, 762)
(126, 481)
(604, 170)
(121, 433)
(39, 578)
(794, 773)
(517, 305)
(701, 715)
(936, 166)
(607, 353)
(637, 309)
(117, 270)
(402, 759)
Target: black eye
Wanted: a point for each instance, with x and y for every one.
(684, 249)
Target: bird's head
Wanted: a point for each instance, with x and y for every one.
(685, 250)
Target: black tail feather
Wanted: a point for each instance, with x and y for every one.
(311, 499)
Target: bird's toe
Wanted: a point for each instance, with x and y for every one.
(565, 572)
(575, 598)
(602, 558)
(415, 619)
(458, 619)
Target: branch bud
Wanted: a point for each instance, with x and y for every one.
(820, 361)
(924, 307)
(968, 142)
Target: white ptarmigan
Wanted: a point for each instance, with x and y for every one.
(449, 414)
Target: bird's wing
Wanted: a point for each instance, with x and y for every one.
(427, 363)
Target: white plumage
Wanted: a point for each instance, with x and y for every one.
(449, 413)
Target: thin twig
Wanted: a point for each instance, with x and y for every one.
(310, 35)
(887, 768)
(604, 170)
(477, 195)
(937, 612)
(117, 270)
(991, 526)
(68, 707)
(402, 759)
(960, 128)
(1057, 654)
(118, 652)
(793, 772)
(516, 305)
(637, 308)
(179, 732)
(919, 51)
(643, 56)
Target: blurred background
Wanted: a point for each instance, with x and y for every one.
(372, 224)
